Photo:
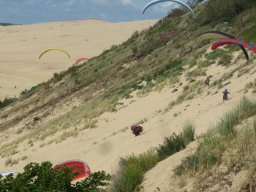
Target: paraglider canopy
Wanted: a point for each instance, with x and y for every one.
(54, 49)
(81, 59)
(79, 167)
(175, 1)
(221, 42)
(7, 173)
(228, 36)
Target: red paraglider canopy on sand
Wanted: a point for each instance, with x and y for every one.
(76, 166)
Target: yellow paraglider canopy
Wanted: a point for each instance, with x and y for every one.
(53, 49)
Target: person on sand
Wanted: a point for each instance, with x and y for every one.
(137, 129)
(207, 80)
(225, 95)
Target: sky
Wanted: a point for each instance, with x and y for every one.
(38, 11)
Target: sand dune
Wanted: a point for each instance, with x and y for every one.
(103, 146)
(21, 45)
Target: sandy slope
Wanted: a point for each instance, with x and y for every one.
(21, 45)
(212, 109)
(102, 147)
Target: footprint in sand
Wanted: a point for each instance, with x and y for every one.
(105, 148)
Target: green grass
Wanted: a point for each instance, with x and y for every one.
(214, 55)
(188, 132)
(206, 63)
(223, 156)
(175, 143)
(132, 169)
(189, 92)
(170, 146)
(197, 72)
(251, 85)
(210, 150)
(225, 60)
(249, 34)
(7, 101)
(159, 62)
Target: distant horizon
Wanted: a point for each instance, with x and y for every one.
(22, 12)
(8, 23)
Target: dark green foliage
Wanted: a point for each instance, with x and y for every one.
(249, 34)
(175, 143)
(212, 56)
(147, 48)
(225, 60)
(6, 24)
(128, 180)
(244, 110)
(28, 93)
(177, 12)
(190, 162)
(206, 63)
(203, 43)
(170, 146)
(38, 178)
(188, 133)
(224, 57)
(57, 77)
(156, 37)
(93, 183)
(133, 38)
(173, 67)
(7, 101)
(193, 162)
(132, 170)
(224, 10)
(36, 118)
(43, 177)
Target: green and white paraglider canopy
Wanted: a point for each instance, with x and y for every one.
(175, 1)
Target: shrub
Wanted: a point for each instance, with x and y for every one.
(7, 101)
(95, 182)
(188, 132)
(131, 171)
(175, 143)
(176, 12)
(244, 110)
(224, 10)
(170, 146)
(43, 177)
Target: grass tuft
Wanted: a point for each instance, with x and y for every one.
(210, 150)
(132, 170)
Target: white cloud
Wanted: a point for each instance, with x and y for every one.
(127, 2)
(130, 3)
